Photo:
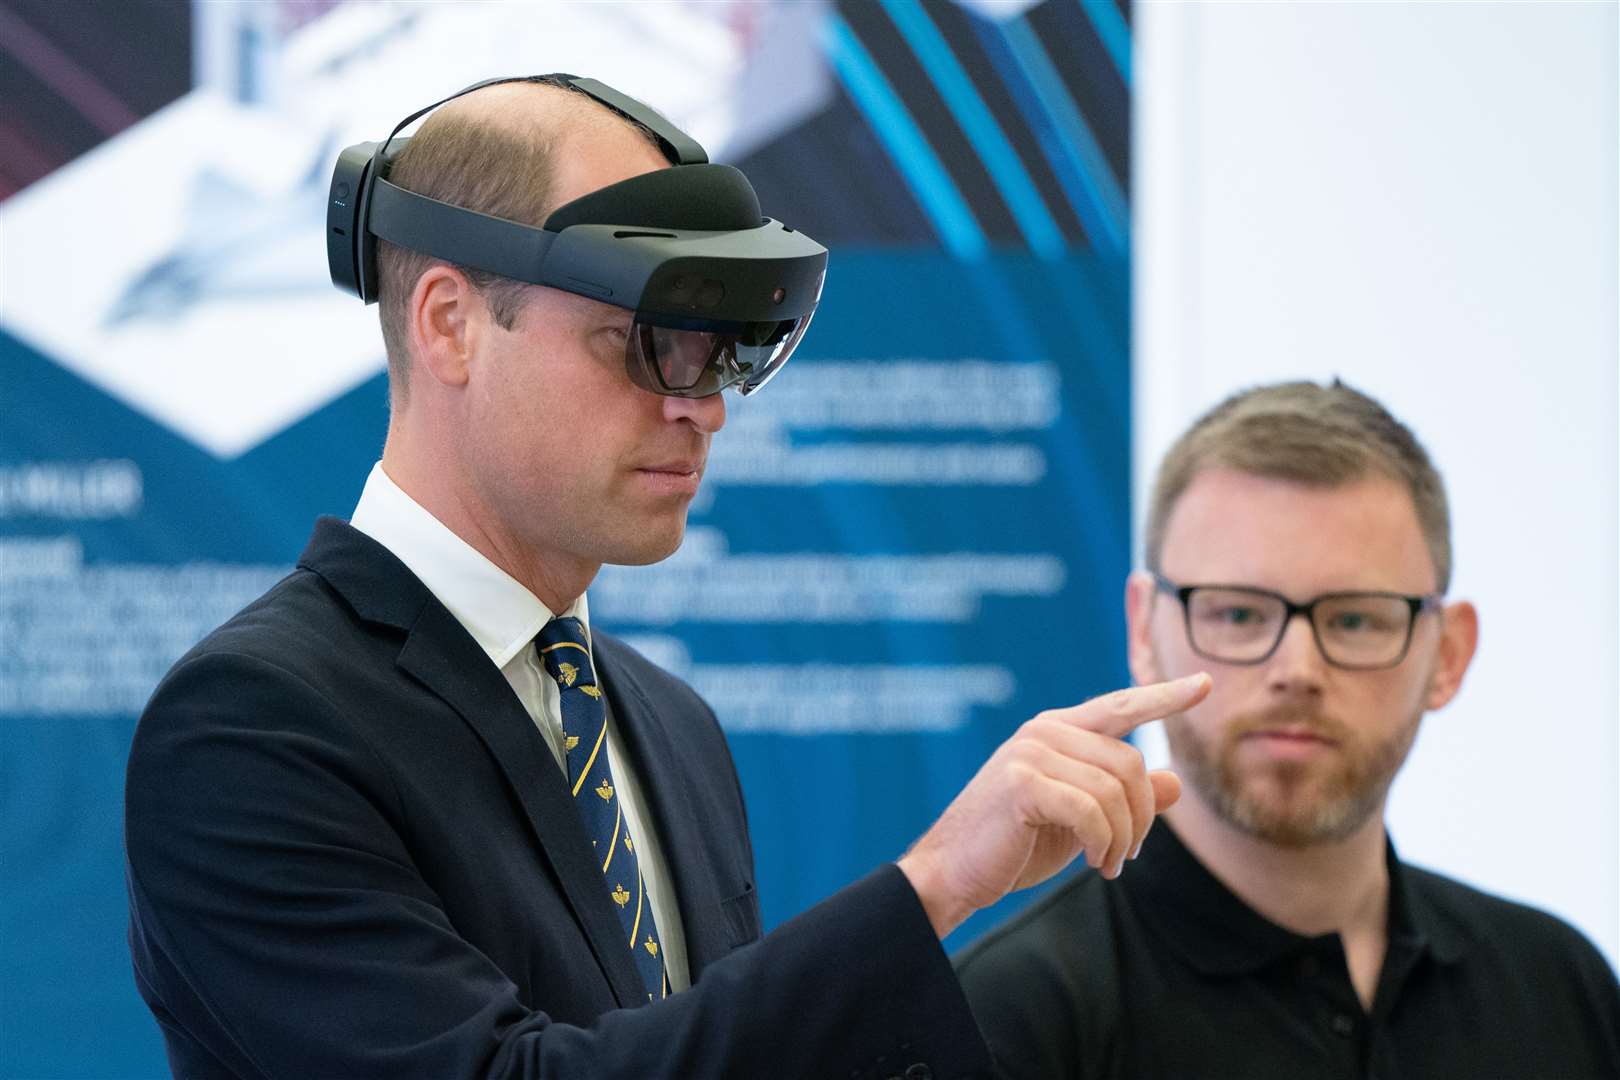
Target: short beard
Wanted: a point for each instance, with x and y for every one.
(1289, 803)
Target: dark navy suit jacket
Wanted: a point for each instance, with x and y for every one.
(350, 853)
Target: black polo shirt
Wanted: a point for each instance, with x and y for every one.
(1165, 973)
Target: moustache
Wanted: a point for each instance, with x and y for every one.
(1293, 719)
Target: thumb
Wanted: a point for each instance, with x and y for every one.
(1166, 789)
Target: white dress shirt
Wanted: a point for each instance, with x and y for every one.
(503, 617)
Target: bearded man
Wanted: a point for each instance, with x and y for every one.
(1269, 929)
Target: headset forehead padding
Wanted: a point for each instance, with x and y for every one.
(715, 198)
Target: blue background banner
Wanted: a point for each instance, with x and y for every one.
(911, 543)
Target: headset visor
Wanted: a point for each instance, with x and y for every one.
(696, 359)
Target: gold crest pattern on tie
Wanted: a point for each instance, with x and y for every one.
(584, 712)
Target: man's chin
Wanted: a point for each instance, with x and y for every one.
(653, 546)
(1296, 818)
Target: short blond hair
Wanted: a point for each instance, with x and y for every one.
(1322, 436)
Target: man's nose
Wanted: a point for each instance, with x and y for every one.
(707, 414)
(1298, 663)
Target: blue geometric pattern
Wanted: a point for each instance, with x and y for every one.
(979, 128)
(886, 172)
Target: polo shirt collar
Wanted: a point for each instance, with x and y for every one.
(502, 616)
(1414, 917)
(1218, 934)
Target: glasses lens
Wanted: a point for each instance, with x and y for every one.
(699, 362)
(680, 363)
(1362, 630)
(1234, 625)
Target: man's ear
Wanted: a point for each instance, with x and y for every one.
(1140, 594)
(1459, 637)
(443, 318)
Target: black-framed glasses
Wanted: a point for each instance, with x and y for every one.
(1237, 624)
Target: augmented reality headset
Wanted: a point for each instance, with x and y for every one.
(720, 294)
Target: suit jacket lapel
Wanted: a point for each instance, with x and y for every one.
(441, 654)
(664, 769)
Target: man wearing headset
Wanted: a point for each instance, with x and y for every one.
(1299, 547)
(410, 814)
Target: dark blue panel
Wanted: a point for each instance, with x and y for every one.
(100, 596)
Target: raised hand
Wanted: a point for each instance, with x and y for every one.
(1065, 782)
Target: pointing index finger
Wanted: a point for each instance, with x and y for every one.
(1123, 711)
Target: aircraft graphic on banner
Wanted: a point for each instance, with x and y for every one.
(236, 246)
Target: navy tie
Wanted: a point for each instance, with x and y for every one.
(567, 659)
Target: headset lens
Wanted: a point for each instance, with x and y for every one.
(695, 363)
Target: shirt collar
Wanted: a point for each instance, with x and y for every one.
(501, 615)
(1219, 934)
